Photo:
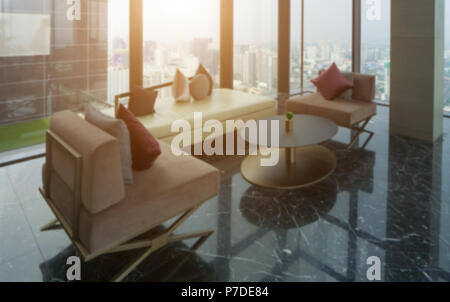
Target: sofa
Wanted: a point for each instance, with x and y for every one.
(83, 185)
(222, 105)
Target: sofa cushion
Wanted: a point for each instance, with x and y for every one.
(142, 101)
(102, 181)
(348, 94)
(343, 112)
(199, 87)
(331, 83)
(144, 147)
(224, 104)
(119, 130)
(172, 186)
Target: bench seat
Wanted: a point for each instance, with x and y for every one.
(222, 105)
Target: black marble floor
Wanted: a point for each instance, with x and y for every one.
(390, 200)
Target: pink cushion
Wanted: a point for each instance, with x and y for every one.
(331, 83)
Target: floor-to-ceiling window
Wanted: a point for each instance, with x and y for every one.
(255, 46)
(376, 44)
(53, 56)
(180, 34)
(296, 46)
(118, 48)
(447, 59)
(328, 36)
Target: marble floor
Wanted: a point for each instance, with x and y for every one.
(390, 200)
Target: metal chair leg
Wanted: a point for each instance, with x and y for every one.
(129, 268)
(52, 225)
(361, 130)
(162, 241)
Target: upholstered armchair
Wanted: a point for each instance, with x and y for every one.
(354, 114)
(84, 187)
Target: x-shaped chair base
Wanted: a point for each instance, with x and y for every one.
(150, 245)
(360, 130)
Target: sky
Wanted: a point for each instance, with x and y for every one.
(255, 20)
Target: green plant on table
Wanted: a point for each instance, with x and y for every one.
(289, 116)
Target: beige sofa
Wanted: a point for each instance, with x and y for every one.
(83, 185)
(222, 105)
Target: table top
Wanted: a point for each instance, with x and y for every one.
(308, 130)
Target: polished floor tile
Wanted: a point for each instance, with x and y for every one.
(16, 237)
(7, 194)
(26, 178)
(23, 268)
(38, 214)
(390, 200)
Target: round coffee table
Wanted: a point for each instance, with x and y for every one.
(302, 162)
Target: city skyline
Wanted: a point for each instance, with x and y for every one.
(264, 13)
(256, 36)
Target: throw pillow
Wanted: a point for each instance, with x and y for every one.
(145, 148)
(119, 130)
(180, 87)
(142, 101)
(202, 70)
(199, 87)
(331, 83)
(348, 94)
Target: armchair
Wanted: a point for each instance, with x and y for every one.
(83, 186)
(354, 114)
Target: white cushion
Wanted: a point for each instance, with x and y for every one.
(119, 130)
(199, 87)
(202, 70)
(180, 88)
(348, 94)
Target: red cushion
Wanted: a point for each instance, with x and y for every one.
(145, 148)
(332, 83)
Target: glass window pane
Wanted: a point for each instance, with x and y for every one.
(447, 58)
(328, 36)
(180, 34)
(296, 38)
(376, 44)
(256, 46)
(118, 48)
(57, 61)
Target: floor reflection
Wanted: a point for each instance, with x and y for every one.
(281, 211)
(390, 200)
